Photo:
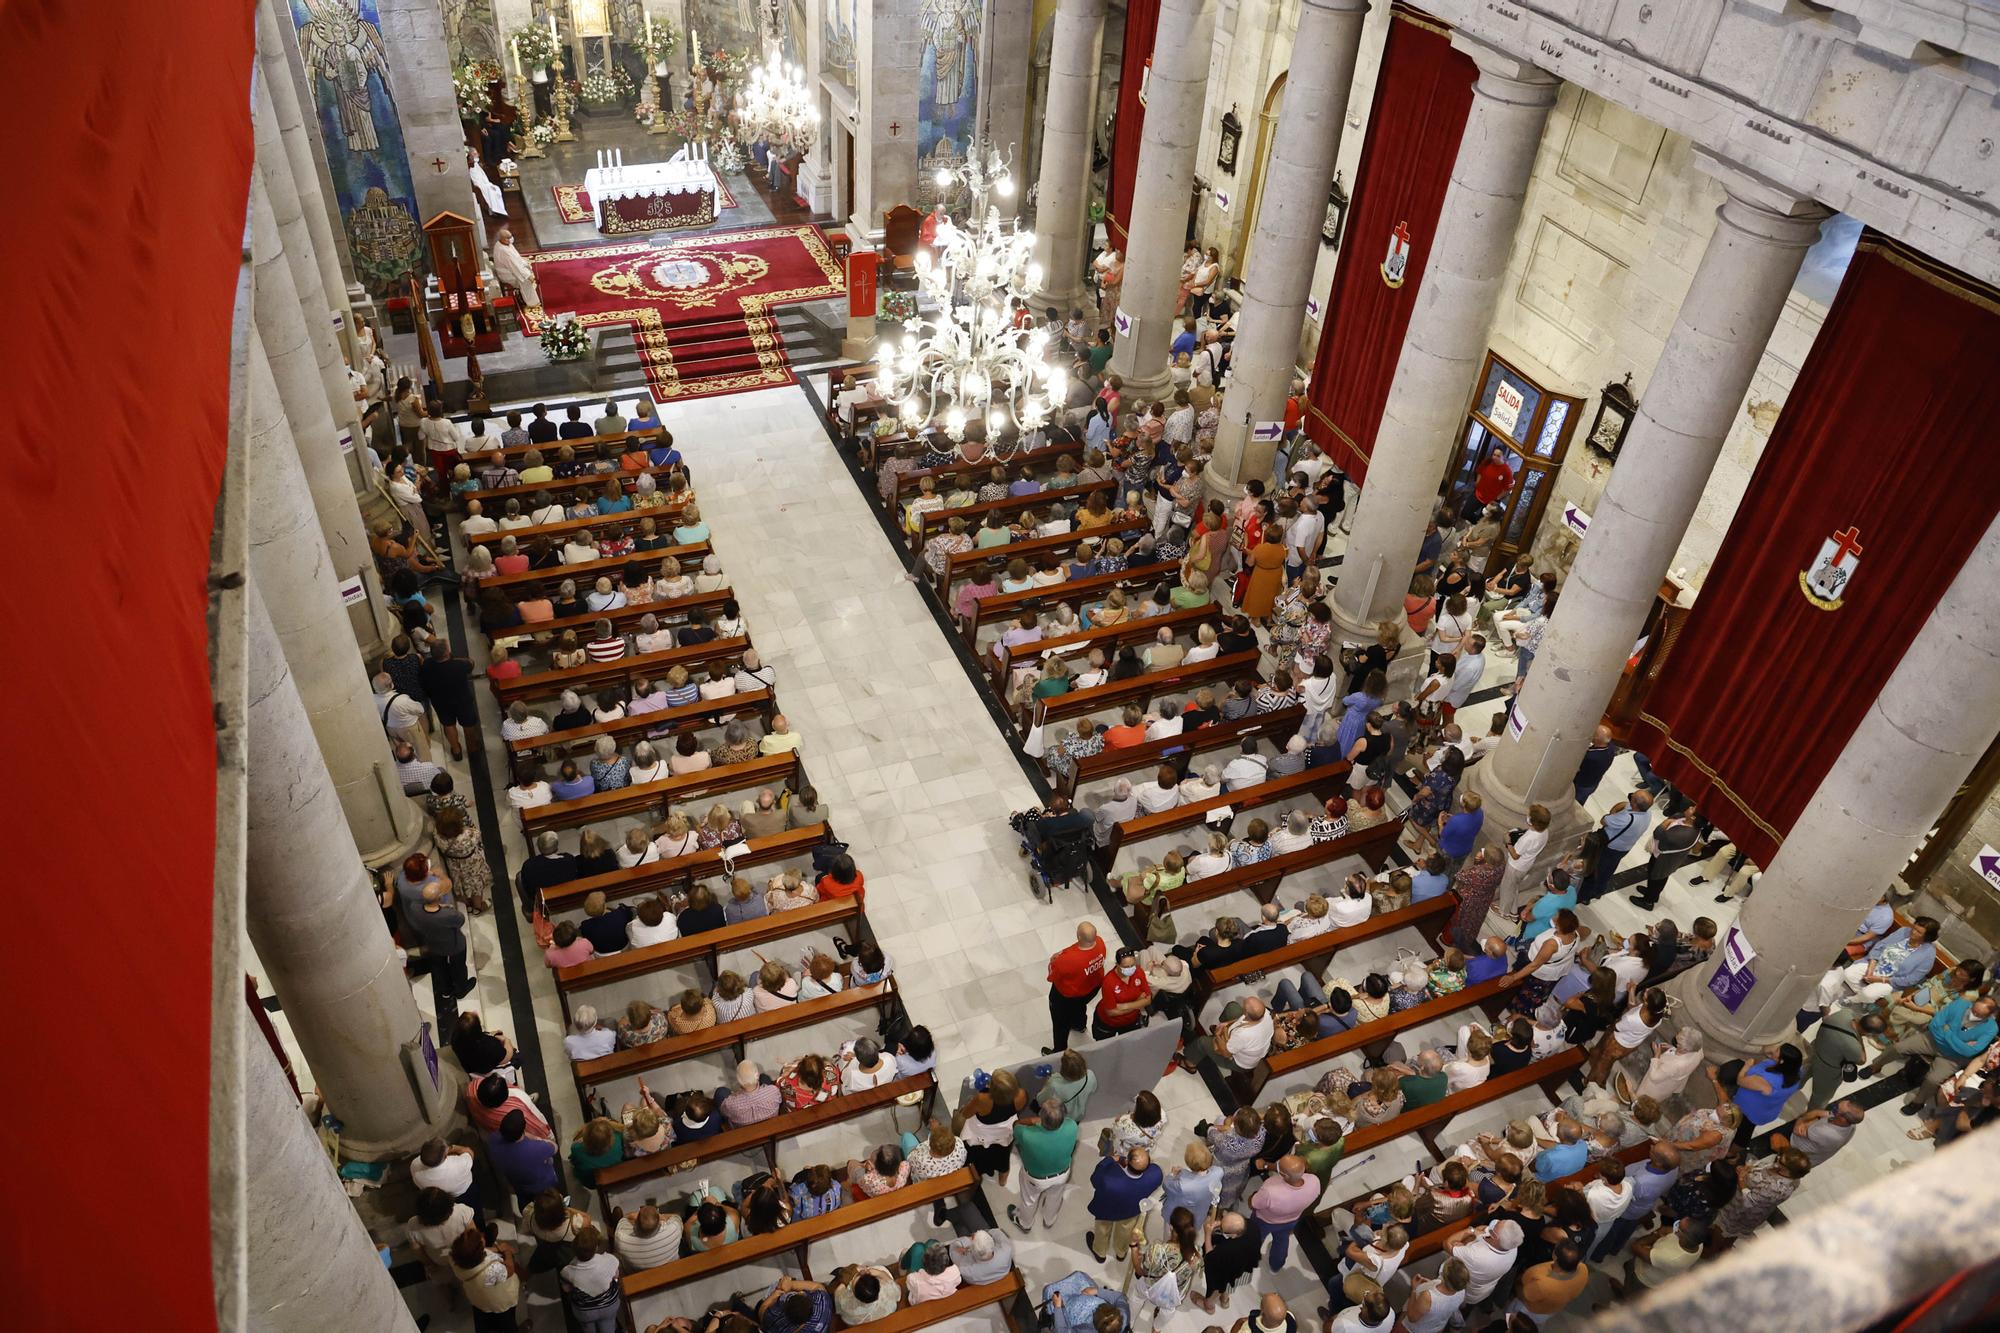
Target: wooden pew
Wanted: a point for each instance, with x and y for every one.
(1316, 951)
(1143, 689)
(516, 452)
(586, 572)
(1370, 844)
(960, 564)
(598, 807)
(765, 1135)
(673, 721)
(595, 675)
(975, 514)
(664, 518)
(681, 871)
(961, 1302)
(1489, 996)
(733, 1036)
(799, 1235)
(1427, 1122)
(672, 610)
(1435, 1242)
(1070, 592)
(495, 498)
(1108, 637)
(1287, 788)
(843, 914)
(1149, 755)
(946, 473)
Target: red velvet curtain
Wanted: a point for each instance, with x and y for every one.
(1885, 444)
(1422, 97)
(127, 164)
(1142, 25)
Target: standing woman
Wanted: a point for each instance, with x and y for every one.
(989, 1125)
(1548, 964)
(1190, 265)
(1759, 1090)
(1634, 1028)
(408, 406)
(464, 856)
(1206, 274)
(1236, 1143)
(1164, 1271)
(1264, 564)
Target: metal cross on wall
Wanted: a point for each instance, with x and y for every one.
(438, 165)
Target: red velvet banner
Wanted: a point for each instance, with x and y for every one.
(1876, 485)
(1422, 97)
(128, 166)
(1142, 25)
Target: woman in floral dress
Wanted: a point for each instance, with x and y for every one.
(458, 843)
(1475, 886)
(1236, 1144)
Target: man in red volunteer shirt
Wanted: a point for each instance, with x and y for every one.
(1075, 974)
(1123, 1001)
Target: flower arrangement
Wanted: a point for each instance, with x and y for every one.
(535, 47)
(543, 132)
(564, 339)
(469, 82)
(898, 307)
(645, 113)
(601, 88)
(728, 155)
(684, 122)
(659, 41)
(726, 66)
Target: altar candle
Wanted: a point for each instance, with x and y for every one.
(554, 36)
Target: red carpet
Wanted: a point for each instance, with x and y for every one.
(699, 307)
(573, 201)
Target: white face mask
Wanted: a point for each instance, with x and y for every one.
(1127, 971)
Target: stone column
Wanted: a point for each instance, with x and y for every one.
(1690, 401)
(889, 51)
(1285, 246)
(277, 76)
(1919, 740)
(290, 560)
(311, 1263)
(427, 108)
(312, 917)
(1446, 338)
(1062, 193)
(1160, 194)
(295, 239)
(1003, 91)
(282, 327)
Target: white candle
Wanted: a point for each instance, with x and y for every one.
(554, 36)
(517, 59)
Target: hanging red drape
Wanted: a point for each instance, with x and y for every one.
(128, 164)
(1142, 24)
(1422, 97)
(1883, 456)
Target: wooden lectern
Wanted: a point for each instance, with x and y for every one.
(465, 323)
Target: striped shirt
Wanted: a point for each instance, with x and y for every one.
(605, 650)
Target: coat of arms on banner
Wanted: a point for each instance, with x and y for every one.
(1398, 259)
(1827, 577)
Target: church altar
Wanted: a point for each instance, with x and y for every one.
(653, 196)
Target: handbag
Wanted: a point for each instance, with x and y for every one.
(1855, 949)
(544, 929)
(1166, 1293)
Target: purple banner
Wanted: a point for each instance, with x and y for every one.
(1732, 988)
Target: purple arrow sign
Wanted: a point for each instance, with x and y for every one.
(1987, 863)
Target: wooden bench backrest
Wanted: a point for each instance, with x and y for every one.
(688, 717)
(1326, 946)
(681, 870)
(516, 452)
(1383, 1029)
(1360, 843)
(975, 514)
(599, 806)
(850, 1216)
(1278, 725)
(1048, 453)
(1243, 798)
(960, 563)
(672, 610)
(1070, 592)
(724, 1036)
(586, 572)
(493, 500)
(664, 518)
(596, 675)
(1142, 689)
(1108, 637)
(708, 944)
(961, 1302)
(1435, 1242)
(1441, 1112)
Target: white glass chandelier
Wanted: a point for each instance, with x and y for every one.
(968, 362)
(776, 106)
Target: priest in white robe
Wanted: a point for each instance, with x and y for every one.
(514, 270)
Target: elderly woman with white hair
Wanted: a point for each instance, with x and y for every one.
(753, 674)
(1121, 805)
(646, 492)
(520, 724)
(648, 765)
(604, 596)
(672, 582)
(711, 578)
(1672, 1065)
(651, 638)
(609, 769)
(572, 713)
(1200, 786)
(587, 1039)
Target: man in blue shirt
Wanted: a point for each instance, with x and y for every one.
(1650, 1184)
(1623, 826)
(1897, 961)
(1881, 919)
(1432, 880)
(1569, 1153)
(1460, 832)
(1491, 962)
(1596, 762)
(1117, 1190)
(1957, 1035)
(1186, 340)
(526, 1164)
